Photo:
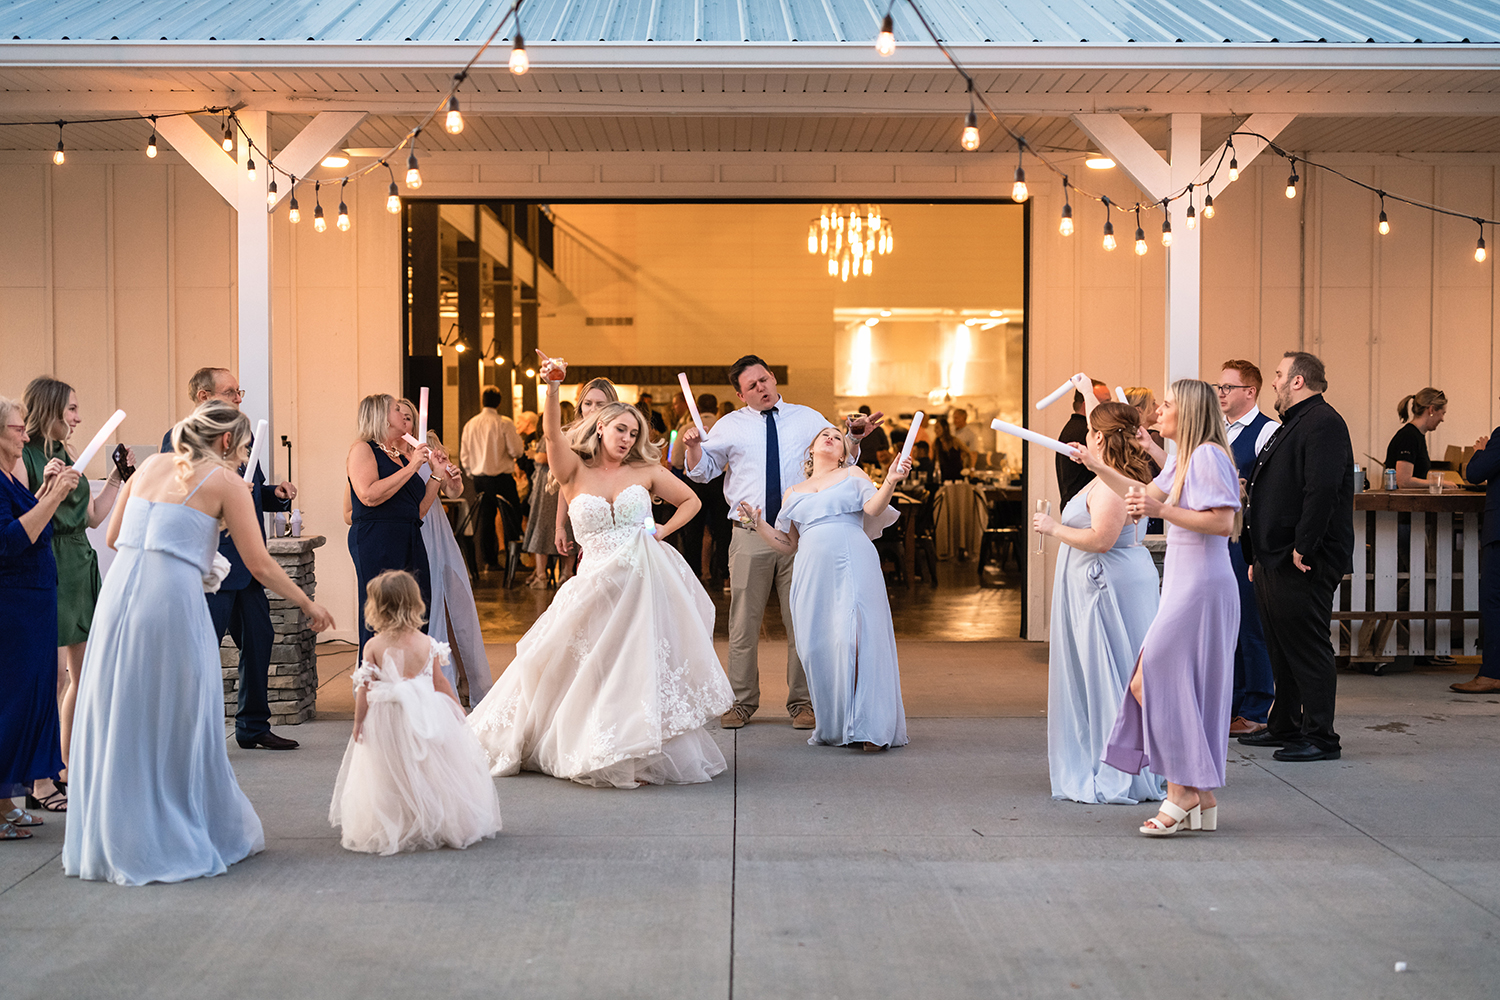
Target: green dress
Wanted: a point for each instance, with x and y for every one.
(78, 580)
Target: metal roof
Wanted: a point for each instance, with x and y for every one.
(962, 22)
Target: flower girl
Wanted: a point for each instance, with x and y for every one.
(414, 775)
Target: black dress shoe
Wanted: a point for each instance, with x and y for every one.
(268, 741)
(1300, 752)
(1265, 739)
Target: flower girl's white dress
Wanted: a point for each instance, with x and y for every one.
(418, 778)
(615, 682)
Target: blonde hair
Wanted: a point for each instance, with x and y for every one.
(45, 399)
(807, 461)
(8, 407)
(583, 436)
(375, 416)
(1416, 404)
(393, 603)
(601, 383)
(1199, 422)
(1140, 397)
(196, 438)
(1118, 422)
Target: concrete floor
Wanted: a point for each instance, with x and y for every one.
(940, 870)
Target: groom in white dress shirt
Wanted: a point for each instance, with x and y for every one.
(741, 446)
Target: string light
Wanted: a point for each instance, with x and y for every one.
(520, 62)
(343, 220)
(293, 213)
(59, 157)
(1384, 226)
(1109, 227)
(1018, 191)
(1065, 227)
(1140, 234)
(393, 196)
(1166, 225)
(228, 142)
(271, 192)
(413, 172)
(1192, 213)
(1479, 251)
(250, 168)
(1234, 164)
(151, 145)
(1208, 202)
(1291, 181)
(454, 123)
(886, 43)
(970, 140)
(319, 223)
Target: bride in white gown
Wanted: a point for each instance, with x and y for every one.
(614, 683)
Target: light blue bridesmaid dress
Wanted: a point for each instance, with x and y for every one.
(151, 795)
(1102, 605)
(842, 617)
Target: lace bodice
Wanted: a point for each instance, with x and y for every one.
(602, 527)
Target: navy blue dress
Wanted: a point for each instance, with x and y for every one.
(30, 744)
(389, 535)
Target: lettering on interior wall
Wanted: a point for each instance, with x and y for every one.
(609, 321)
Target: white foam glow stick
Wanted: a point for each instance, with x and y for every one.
(687, 392)
(1033, 437)
(411, 440)
(422, 414)
(911, 436)
(1042, 404)
(257, 449)
(92, 448)
(1120, 395)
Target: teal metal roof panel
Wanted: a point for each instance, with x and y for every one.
(962, 22)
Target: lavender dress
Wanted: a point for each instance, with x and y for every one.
(1187, 662)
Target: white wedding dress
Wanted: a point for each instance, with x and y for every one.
(615, 682)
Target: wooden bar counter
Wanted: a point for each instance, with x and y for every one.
(1416, 561)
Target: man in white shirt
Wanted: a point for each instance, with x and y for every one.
(488, 449)
(1248, 430)
(964, 434)
(760, 449)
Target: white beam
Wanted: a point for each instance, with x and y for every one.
(321, 136)
(203, 153)
(1247, 148)
(1184, 256)
(253, 232)
(1144, 165)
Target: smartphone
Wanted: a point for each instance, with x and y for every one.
(122, 462)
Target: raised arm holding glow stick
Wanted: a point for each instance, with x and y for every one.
(257, 449)
(1033, 437)
(692, 404)
(92, 448)
(1061, 391)
(911, 435)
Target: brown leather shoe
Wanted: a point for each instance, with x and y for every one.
(804, 719)
(1479, 685)
(735, 717)
(1241, 726)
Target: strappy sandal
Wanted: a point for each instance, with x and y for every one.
(57, 802)
(20, 817)
(8, 831)
(1181, 819)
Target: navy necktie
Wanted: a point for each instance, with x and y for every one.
(773, 468)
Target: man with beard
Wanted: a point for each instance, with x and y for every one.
(1299, 540)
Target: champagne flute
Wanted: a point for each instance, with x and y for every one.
(1132, 492)
(1042, 507)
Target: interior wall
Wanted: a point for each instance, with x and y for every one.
(118, 276)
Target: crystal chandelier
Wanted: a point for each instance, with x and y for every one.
(850, 236)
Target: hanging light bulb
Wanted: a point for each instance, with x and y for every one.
(1166, 224)
(1384, 225)
(454, 123)
(833, 266)
(520, 62)
(343, 219)
(868, 266)
(1018, 191)
(250, 168)
(151, 143)
(319, 223)
(1140, 234)
(886, 43)
(1109, 236)
(1234, 164)
(228, 142)
(1291, 181)
(1192, 213)
(812, 238)
(970, 140)
(1065, 226)
(1479, 251)
(393, 200)
(1208, 204)
(293, 213)
(413, 172)
(271, 193)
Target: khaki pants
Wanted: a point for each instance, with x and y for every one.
(753, 568)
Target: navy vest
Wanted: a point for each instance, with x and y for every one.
(1243, 447)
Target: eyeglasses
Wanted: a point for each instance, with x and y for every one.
(15, 427)
(237, 394)
(1227, 387)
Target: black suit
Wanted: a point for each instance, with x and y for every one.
(1302, 497)
(1485, 468)
(1072, 477)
